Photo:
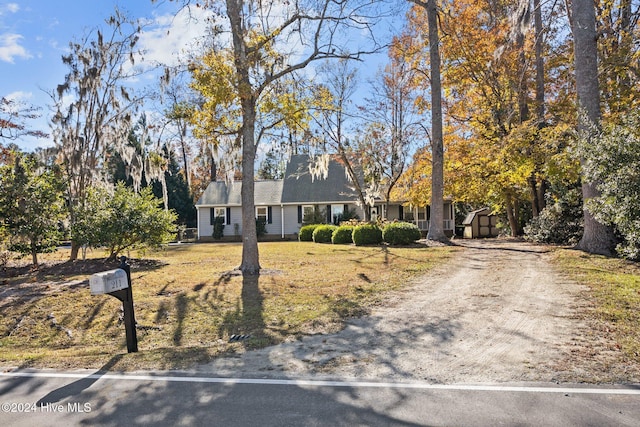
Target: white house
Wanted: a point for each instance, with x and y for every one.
(283, 204)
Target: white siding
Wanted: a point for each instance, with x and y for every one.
(205, 229)
(291, 219)
(275, 228)
(236, 218)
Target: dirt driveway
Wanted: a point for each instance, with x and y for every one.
(499, 312)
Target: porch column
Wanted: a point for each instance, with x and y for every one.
(198, 222)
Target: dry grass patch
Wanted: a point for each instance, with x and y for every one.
(612, 307)
(189, 302)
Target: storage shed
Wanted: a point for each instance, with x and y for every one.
(480, 223)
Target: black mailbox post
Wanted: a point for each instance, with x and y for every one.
(117, 283)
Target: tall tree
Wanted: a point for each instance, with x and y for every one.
(177, 127)
(31, 206)
(334, 113)
(394, 128)
(94, 108)
(436, 223)
(597, 238)
(491, 153)
(263, 55)
(617, 25)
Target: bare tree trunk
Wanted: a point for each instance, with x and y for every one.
(597, 238)
(436, 224)
(539, 185)
(250, 260)
(75, 250)
(250, 257)
(512, 215)
(34, 258)
(185, 156)
(533, 194)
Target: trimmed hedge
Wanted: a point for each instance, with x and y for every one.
(343, 235)
(323, 233)
(401, 233)
(367, 234)
(306, 232)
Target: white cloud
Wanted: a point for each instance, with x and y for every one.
(9, 7)
(169, 37)
(10, 48)
(19, 96)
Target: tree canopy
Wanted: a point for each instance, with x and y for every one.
(478, 102)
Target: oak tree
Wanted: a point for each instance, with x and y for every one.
(269, 43)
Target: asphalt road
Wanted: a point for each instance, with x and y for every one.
(29, 398)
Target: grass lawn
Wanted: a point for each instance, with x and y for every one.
(613, 298)
(189, 302)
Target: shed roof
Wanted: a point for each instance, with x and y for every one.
(471, 215)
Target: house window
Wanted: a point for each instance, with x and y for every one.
(422, 214)
(218, 213)
(262, 213)
(337, 212)
(307, 213)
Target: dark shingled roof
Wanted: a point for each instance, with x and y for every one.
(298, 186)
(301, 187)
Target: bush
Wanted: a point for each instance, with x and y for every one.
(613, 161)
(218, 228)
(343, 235)
(323, 233)
(367, 234)
(560, 222)
(127, 220)
(401, 233)
(261, 227)
(306, 232)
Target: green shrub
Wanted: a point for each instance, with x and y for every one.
(323, 233)
(306, 232)
(218, 227)
(367, 234)
(401, 233)
(261, 227)
(342, 235)
(612, 159)
(560, 222)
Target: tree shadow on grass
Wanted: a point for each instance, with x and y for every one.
(57, 271)
(247, 319)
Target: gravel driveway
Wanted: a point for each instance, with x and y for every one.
(498, 312)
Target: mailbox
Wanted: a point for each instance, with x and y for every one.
(108, 281)
(117, 283)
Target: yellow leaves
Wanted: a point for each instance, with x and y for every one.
(214, 78)
(286, 106)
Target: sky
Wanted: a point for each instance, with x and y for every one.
(34, 34)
